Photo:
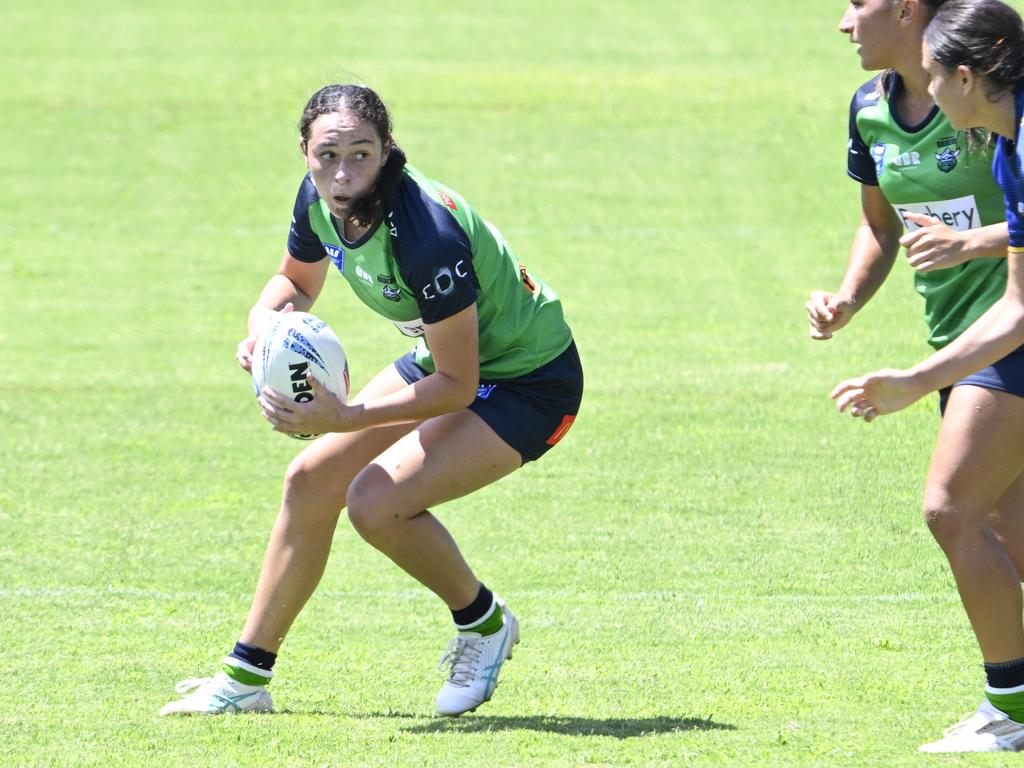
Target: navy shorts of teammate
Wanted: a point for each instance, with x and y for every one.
(1006, 375)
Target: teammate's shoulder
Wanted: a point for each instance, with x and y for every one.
(868, 95)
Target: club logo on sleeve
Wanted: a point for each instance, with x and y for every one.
(336, 254)
(447, 200)
(444, 280)
(391, 293)
(949, 152)
(960, 214)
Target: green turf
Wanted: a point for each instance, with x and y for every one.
(712, 569)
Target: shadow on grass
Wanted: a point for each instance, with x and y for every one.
(615, 727)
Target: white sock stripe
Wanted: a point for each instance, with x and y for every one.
(232, 661)
(478, 622)
(1004, 691)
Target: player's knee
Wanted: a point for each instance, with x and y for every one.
(365, 511)
(948, 518)
(308, 493)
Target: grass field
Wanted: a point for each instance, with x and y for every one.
(712, 569)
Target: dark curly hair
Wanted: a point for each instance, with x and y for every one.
(368, 107)
(985, 35)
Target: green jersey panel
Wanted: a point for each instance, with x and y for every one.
(928, 169)
(430, 257)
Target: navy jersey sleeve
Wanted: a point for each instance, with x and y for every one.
(434, 255)
(860, 165)
(303, 242)
(1006, 165)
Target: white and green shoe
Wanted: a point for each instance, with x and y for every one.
(474, 661)
(987, 729)
(218, 695)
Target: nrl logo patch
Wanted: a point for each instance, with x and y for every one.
(337, 255)
(878, 155)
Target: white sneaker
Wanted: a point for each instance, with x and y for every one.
(987, 729)
(474, 662)
(218, 695)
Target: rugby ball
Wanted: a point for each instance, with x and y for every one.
(294, 344)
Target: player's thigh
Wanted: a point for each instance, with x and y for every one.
(325, 469)
(444, 458)
(979, 452)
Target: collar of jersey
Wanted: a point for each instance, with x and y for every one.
(340, 232)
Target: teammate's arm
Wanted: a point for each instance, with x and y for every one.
(935, 246)
(991, 337)
(872, 254)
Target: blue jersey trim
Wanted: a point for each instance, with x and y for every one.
(1008, 168)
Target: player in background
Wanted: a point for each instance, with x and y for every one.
(928, 187)
(974, 59)
(494, 381)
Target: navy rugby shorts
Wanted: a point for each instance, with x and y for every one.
(1006, 375)
(531, 412)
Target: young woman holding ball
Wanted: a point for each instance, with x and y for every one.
(494, 381)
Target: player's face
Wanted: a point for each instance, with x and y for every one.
(948, 90)
(345, 156)
(874, 26)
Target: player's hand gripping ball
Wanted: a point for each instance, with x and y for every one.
(294, 344)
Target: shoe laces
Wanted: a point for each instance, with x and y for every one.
(969, 722)
(191, 684)
(463, 659)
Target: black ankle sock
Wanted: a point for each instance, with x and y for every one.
(250, 654)
(476, 610)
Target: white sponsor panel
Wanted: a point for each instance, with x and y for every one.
(410, 327)
(960, 214)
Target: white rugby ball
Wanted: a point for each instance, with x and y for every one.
(294, 344)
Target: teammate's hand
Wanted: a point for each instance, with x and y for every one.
(876, 394)
(243, 353)
(828, 312)
(933, 245)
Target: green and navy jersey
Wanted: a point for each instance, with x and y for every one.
(430, 257)
(1008, 169)
(927, 168)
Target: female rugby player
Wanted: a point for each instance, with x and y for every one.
(974, 58)
(494, 381)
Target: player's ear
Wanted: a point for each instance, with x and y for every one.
(302, 149)
(967, 78)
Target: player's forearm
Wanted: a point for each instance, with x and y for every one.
(278, 292)
(431, 396)
(987, 242)
(991, 337)
(871, 260)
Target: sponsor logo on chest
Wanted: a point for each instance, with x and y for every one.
(960, 214)
(907, 159)
(363, 275)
